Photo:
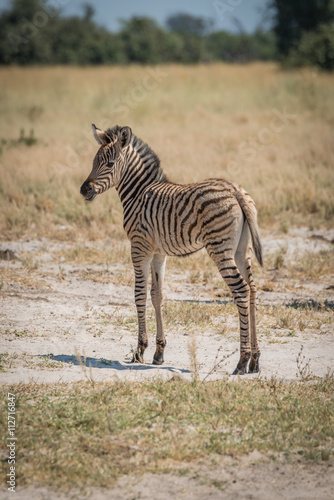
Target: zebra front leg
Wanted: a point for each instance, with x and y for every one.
(141, 266)
(158, 270)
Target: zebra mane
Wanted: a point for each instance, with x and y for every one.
(149, 157)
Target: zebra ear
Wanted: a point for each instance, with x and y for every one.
(100, 136)
(125, 136)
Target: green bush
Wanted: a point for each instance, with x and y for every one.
(304, 32)
(315, 48)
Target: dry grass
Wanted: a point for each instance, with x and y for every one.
(310, 265)
(313, 266)
(115, 253)
(88, 434)
(287, 321)
(13, 277)
(200, 120)
(9, 362)
(185, 315)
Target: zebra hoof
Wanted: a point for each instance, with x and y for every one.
(137, 358)
(254, 365)
(158, 361)
(254, 369)
(239, 371)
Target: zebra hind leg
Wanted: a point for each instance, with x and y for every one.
(254, 365)
(241, 293)
(243, 262)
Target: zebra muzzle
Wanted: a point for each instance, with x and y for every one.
(88, 191)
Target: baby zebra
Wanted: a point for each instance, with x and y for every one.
(163, 218)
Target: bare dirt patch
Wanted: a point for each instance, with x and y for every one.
(251, 478)
(68, 313)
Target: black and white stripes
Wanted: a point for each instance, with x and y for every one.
(162, 218)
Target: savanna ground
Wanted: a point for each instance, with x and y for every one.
(87, 420)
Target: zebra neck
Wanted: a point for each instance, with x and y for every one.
(141, 168)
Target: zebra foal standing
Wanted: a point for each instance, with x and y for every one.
(163, 218)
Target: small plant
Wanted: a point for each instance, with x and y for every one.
(3, 360)
(285, 226)
(207, 277)
(285, 318)
(279, 261)
(303, 322)
(29, 263)
(303, 366)
(192, 349)
(195, 277)
(268, 286)
(21, 333)
(218, 363)
(82, 361)
(27, 140)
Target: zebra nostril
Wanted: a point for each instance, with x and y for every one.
(85, 189)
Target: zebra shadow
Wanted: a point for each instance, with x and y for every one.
(102, 363)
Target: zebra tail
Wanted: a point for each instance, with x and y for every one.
(250, 214)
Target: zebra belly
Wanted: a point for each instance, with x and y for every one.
(172, 249)
(177, 243)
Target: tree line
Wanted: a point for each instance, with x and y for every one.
(304, 32)
(34, 32)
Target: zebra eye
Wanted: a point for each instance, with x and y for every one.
(110, 163)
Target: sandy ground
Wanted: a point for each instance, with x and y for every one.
(250, 479)
(52, 311)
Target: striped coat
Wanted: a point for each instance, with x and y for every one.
(162, 218)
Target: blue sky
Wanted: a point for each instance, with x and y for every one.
(108, 12)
